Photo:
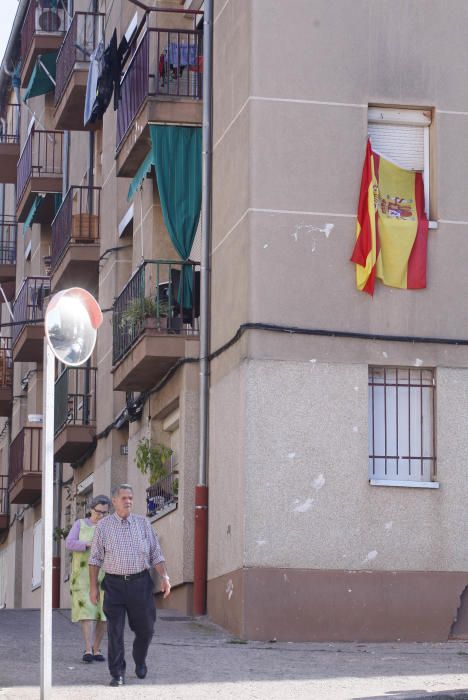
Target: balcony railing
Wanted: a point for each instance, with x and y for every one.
(25, 454)
(166, 63)
(41, 157)
(163, 496)
(42, 17)
(6, 363)
(77, 220)
(8, 229)
(75, 397)
(29, 305)
(80, 41)
(163, 293)
(10, 124)
(4, 509)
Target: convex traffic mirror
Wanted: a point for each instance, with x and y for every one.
(71, 322)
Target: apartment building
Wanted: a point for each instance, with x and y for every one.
(337, 446)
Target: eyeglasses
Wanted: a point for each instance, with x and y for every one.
(101, 512)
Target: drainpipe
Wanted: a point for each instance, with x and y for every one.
(87, 370)
(201, 491)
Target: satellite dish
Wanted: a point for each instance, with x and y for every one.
(71, 322)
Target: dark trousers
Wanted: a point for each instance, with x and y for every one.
(134, 597)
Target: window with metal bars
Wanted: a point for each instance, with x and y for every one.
(401, 424)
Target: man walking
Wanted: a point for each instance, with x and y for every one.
(126, 547)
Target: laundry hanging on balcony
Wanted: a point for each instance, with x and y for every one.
(40, 82)
(99, 89)
(177, 157)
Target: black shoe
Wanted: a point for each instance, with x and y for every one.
(87, 658)
(116, 681)
(141, 671)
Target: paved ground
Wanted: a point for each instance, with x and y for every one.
(194, 660)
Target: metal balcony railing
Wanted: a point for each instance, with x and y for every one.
(76, 220)
(28, 306)
(8, 230)
(163, 495)
(25, 454)
(75, 397)
(41, 157)
(166, 63)
(4, 503)
(42, 17)
(10, 124)
(80, 41)
(165, 293)
(6, 363)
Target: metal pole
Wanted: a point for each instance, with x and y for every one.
(201, 492)
(47, 521)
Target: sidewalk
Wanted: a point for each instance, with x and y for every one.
(195, 660)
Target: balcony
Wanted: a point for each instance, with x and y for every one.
(6, 377)
(4, 503)
(39, 171)
(155, 323)
(42, 32)
(75, 239)
(75, 413)
(25, 475)
(9, 144)
(80, 41)
(28, 311)
(163, 83)
(8, 229)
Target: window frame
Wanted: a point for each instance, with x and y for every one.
(407, 116)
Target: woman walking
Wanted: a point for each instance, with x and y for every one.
(83, 611)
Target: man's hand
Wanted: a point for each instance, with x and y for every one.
(165, 587)
(94, 595)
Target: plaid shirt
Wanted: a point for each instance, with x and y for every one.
(125, 545)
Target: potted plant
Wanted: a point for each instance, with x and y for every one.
(152, 459)
(146, 311)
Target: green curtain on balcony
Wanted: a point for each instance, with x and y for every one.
(177, 156)
(32, 212)
(40, 83)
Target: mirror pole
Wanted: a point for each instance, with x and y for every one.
(47, 520)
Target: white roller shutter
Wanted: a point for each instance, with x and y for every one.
(404, 145)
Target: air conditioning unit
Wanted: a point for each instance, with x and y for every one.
(49, 18)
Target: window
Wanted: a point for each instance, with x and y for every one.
(401, 426)
(402, 136)
(37, 555)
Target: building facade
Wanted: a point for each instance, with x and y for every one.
(336, 426)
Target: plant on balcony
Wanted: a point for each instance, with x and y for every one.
(152, 459)
(141, 309)
(61, 533)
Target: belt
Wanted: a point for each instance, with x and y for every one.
(127, 577)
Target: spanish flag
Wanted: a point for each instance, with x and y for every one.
(391, 227)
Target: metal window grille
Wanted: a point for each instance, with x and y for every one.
(401, 424)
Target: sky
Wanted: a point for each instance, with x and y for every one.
(8, 11)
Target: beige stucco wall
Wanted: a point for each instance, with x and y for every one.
(301, 486)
